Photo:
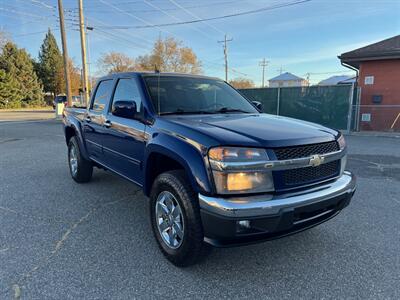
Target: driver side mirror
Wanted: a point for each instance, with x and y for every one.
(258, 105)
(124, 109)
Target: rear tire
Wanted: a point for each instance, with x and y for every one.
(188, 248)
(81, 169)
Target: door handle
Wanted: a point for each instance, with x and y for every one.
(107, 123)
(88, 119)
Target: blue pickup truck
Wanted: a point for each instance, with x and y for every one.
(217, 171)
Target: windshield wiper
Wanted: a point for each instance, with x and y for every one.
(228, 110)
(183, 112)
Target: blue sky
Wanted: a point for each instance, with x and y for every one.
(304, 38)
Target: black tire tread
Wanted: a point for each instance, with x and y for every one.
(194, 249)
(85, 167)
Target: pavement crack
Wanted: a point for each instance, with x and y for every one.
(2, 141)
(6, 209)
(17, 286)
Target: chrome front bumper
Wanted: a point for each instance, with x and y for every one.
(269, 205)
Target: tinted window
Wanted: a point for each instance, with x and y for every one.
(127, 90)
(171, 94)
(102, 95)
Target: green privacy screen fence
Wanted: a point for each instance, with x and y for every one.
(326, 105)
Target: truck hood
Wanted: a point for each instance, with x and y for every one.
(259, 130)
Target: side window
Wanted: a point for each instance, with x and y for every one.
(127, 90)
(102, 96)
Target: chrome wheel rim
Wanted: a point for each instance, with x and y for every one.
(73, 160)
(169, 220)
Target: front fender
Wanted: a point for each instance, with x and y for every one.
(187, 153)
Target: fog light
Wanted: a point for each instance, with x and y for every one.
(242, 225)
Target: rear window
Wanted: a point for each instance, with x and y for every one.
(102, 96)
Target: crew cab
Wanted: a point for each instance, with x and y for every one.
(216, 170)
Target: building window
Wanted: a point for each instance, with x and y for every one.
(369, 80)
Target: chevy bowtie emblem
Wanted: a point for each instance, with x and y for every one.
(316, 160)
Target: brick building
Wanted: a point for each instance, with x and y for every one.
(379, 81)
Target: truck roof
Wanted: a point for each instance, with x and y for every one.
(147, 73)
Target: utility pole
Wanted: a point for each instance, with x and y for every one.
(89, 64)
(225, 47)
(308, 78)
(263, 64)
(85, 84)
(65, 52)
(281, 70)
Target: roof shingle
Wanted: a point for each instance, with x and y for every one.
(388, 47)
(286, 76)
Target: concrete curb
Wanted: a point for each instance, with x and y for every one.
(395, 135)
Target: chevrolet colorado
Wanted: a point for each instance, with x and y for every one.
(217, 171)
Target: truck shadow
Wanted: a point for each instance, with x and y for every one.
(297, 250)
(125, 248)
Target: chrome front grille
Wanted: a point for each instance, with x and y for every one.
(307, 175)
(297, 177)
(305, 150)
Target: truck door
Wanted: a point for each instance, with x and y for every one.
(93, 129)
(124, 139)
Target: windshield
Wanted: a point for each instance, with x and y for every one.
(194, 95)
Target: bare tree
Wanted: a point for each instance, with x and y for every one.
(242, 83)
(113, 62)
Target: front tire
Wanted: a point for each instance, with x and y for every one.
(81, 169)
(175, 219)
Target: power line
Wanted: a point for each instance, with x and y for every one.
(172, 16)
(24, 13)
(331, 72)
(132, 16)
(172, 8)
(213, 18)
(32, 33)
(120, 39)
(135, 36)
(44, 4)
(238, 72)
(195, 16)
(90, 6)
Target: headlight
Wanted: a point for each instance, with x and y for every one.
(240, 170)
(342, 142)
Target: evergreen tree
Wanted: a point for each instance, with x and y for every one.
(17, 64)
(50, 65)
(10, 96)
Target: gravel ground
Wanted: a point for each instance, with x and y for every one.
(61, 240)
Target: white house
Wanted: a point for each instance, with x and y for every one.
(287, 80)
(333, 80)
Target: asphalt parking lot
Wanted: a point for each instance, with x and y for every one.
(22, 115)
(61, 240)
